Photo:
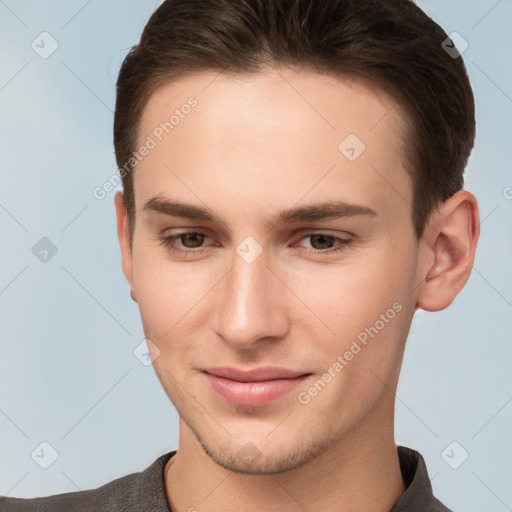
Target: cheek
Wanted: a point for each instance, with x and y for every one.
(361, 312)
(370, 314)
(164, 291)
(348, 297)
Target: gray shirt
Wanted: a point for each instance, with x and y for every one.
(145, 492)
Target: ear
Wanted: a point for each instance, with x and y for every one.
(124, 239)
(449, 245)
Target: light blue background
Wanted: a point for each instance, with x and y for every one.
(68, 328)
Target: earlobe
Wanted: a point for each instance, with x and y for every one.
(452, 237)
(124, 238)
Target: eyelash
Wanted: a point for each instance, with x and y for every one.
(167, 242)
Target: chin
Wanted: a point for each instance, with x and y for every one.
(262, 457)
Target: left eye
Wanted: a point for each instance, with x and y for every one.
(196, 239)
(322, 239)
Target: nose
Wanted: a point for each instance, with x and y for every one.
(252, 304)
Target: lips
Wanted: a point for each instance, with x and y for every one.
(253, 387)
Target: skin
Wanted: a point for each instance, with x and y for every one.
(256, 145)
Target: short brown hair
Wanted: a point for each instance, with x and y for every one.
(391, 43)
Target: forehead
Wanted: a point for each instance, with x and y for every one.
(270, 135)
(281, 98)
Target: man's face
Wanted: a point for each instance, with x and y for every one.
(253, 293)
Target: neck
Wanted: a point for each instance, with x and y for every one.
(359, 472)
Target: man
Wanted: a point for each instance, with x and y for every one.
(293, 193)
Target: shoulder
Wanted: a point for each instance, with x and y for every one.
(125, 494)
(114, 496)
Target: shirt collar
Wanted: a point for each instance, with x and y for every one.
(418, 495)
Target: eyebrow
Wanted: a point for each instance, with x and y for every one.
(309, 213)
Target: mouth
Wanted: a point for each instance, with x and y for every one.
(253, 388)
